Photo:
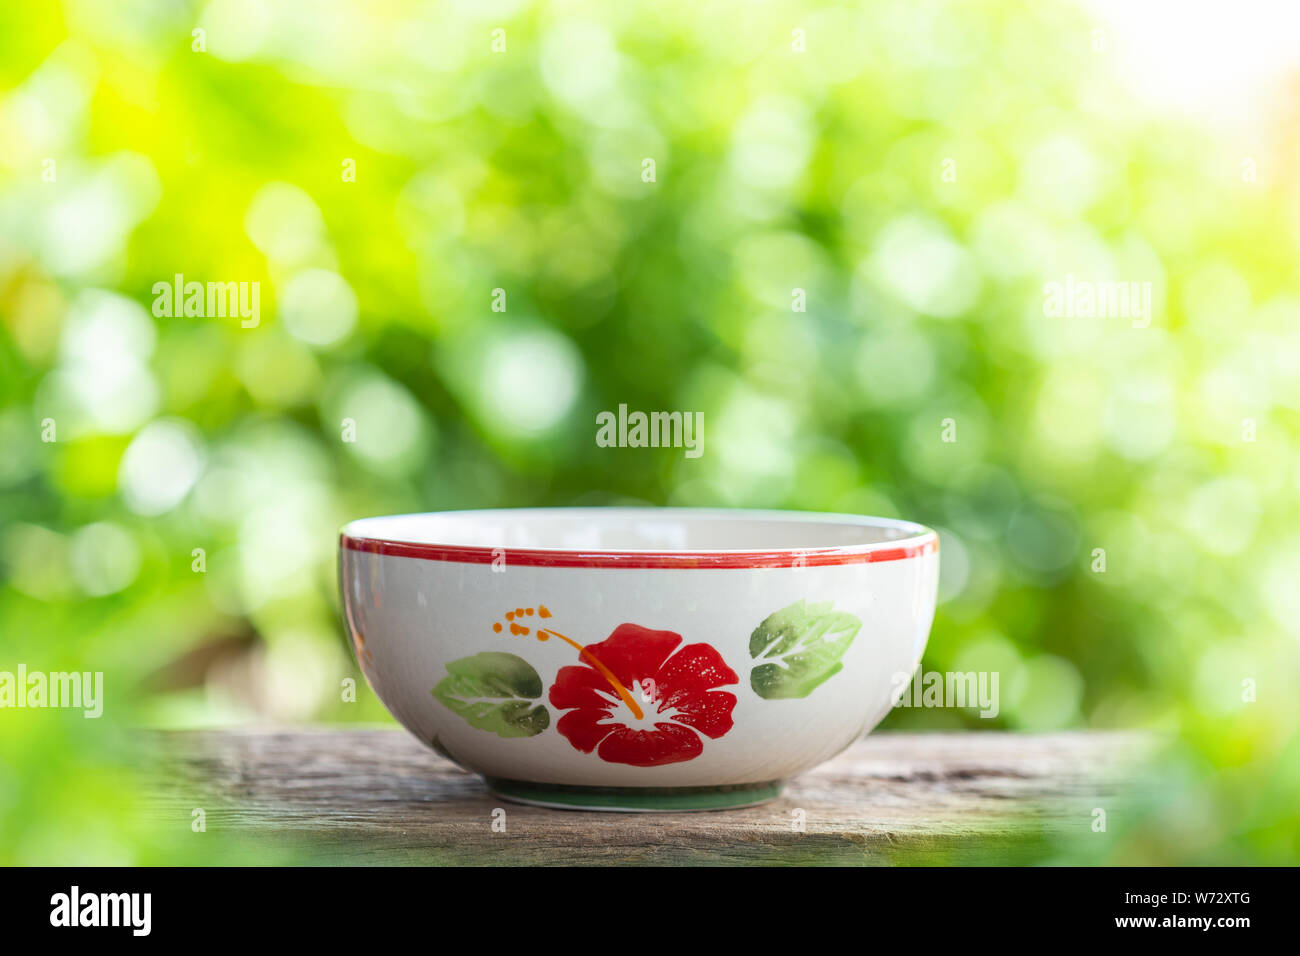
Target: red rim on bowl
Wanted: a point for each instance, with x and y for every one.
(913, 540)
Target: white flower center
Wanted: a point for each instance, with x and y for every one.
(643, 693)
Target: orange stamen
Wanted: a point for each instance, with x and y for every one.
(605, 672)
(541, 610)
(497, 627)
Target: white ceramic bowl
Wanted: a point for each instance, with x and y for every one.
(638, 658)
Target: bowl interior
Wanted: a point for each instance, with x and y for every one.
(635, 529)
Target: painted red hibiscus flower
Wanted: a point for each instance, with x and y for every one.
(640, 698)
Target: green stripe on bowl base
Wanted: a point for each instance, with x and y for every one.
(635, 799)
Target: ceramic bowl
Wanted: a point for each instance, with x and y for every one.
(638, 658)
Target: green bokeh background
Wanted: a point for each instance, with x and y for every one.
(919, 170)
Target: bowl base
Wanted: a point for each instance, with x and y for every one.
(635, 799)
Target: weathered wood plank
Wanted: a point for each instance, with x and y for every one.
(376, 795)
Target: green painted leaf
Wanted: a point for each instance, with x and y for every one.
(495, 692)
(798, 648)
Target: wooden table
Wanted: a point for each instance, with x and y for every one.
(329, 795)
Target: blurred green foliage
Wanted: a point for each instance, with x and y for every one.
(919, 170)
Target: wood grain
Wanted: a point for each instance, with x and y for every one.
(377, 796)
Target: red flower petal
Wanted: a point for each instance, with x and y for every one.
(583, 687)
(633, 652)
(694, 669)
(709, 714)
(584, 729)
(667, 743)
(685, 683)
